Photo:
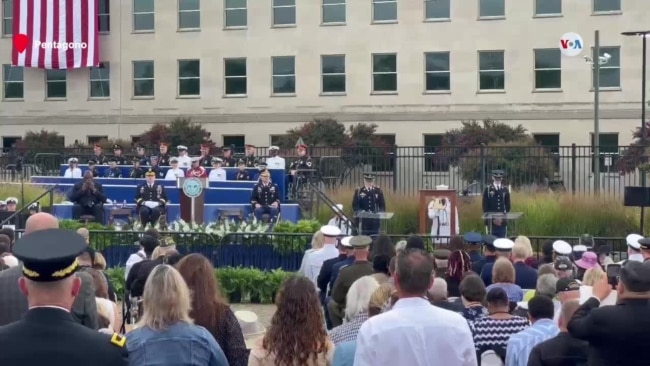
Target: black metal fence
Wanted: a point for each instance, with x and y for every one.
(407, 169)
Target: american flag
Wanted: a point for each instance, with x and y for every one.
(55, 34)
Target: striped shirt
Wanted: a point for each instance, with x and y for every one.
(493, 334)
(348, 331)
(521, 344)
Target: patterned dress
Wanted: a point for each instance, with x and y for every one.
(493, 334)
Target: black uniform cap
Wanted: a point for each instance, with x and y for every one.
(369, 176)
(498, 173)
(117, 147)
(49, 255)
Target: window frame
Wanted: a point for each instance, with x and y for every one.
(502, 70)
(273, 76)
(226, 77)
(439, 19)
(284, 25)
(374, 73)
(341, 3)
(48, 82)
(384, 21)
(323, 75)
(536, 69)
(91, 80)
(594, 11)
(107, 15)
(427, 72)
(133, 17)
(178, 17)
(94, 139)
(430, 152)
(237, 148)
(553, 150)
(181, 78)
(5, 81)
(491, 17)
(226, 9)
(7, 19)
(604, 50)
(134, 80)
(546, 15)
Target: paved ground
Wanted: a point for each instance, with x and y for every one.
(264, 312)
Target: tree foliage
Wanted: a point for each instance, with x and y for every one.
(328, 132)
(180, 131)
(636, 155)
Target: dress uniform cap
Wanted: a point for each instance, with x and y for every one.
(265, 173)
(346, 241)
(503, 244)
(73, 160)
(498, 173)
(98, 145)
(441, 253)
(241, 162)
(150, 173)
(140, 147)
(272, 148)
(262, 165)
(338, 207)
(206, 146)
(562, 247)
(49, 255)
(225, 148)
(181, 147)
(472, 237)
(117, 147)
(489, 239)
(360, 241)
(633, 241)
(217, 160)
(579, 248)
(3, 203)
(173, 160)
(644, 243)
(562, 263)
(153, 157)
(11, 200)
(369, 176)
(329, 230)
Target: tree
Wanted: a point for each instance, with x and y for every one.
(325, 132)
(180, 131)
(636, 155)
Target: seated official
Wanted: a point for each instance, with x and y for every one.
(150, 199)
(113, 170)
(73, 170)
(136, 172)
(88, 198)
(217, 174)
(265, 198)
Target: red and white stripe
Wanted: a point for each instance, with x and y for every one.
(63, 21)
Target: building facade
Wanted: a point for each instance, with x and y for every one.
(252, 69)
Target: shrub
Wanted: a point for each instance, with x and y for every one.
(635, 155)
(180, 131)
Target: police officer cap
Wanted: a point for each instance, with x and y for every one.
(150, 173)
(644, 243)
(346, 241)
(472, 238)
(633, 241)
(330, 230)
(272, 148)
(503, 244)
(360, 241)
(49, 255)
(441, 253)
(217, 160)
(498, 173)
(562, 263)
(579, 248)
(562, 247)
(369, 176)
(117, 147)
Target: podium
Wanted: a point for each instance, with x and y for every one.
(506, 218)
(192, 198)
(373, 223)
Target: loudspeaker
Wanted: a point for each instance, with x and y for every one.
(636, 197)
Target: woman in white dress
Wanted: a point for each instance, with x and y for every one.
(439, 211)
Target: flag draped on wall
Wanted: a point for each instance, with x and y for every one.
(55, 34)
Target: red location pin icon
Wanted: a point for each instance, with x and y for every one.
(20, 42)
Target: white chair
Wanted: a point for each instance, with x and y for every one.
(490, 358)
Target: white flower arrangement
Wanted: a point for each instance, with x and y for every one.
(217, 229)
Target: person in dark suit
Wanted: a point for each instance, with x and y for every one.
(368, 198)
(47, 334)
(326, 273)
(265, 198)
(150, 199)
(489, 254)
(88, 198)
(617, 334)
(473, 241)
(496, 199)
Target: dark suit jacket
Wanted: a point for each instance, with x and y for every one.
(49, 336)
(83, 198)
(13, 304)
(617, 335)
(561, 350)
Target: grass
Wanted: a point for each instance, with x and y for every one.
(544, 214)
(27, 193)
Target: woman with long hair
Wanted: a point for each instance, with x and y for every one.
(458, 264)
(165, 334)
(297, 335)
(383, 244)
(210, 310)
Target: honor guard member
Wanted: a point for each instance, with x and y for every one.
(206, 159)
(228, 160)
(142, 157)
(196, 170)
(251, 160)
(98, 155)
(503, 249)
(158, 171)
(217, 174)
(242, 173)
(275, 161)
(473, 241)
(47, 333)
(163, 158)
(265, 199)
(303, 162)
(496, 199)
(368, 198)
(92, 167)
(137, 172)
(113, 170)
(117, 155)
(150, 199)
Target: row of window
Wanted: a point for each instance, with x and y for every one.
(437, 75)
(284, 12)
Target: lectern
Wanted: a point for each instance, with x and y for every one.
(375, 222)
(192, 198)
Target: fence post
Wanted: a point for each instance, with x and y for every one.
(483, 166)
(573, 168)
(395, 169)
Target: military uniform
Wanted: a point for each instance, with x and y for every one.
(120, 160)
(302, 163)
(265, 195)
(242, 175)
(496, 199)
(369, 199)
(206, 161)
(113, 173)
(155, 193)
(251, 161)
(163, 159)
(100, 159)
(136, 173)
(92, 168)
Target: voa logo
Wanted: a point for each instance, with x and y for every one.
(571, 44)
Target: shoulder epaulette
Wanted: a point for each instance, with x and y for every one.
(118, 340)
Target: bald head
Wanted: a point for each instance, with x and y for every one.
(41, 221)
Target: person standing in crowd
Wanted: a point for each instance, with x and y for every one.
(563, 267)
(117, 155)
(317, 241)
(398, 336)
(137, 172)
(458, 265)
(206, 159)
(472, 295)
(113, 170)
(242, 173)
(196, 170)
(88, 198)
(315, 260)
(563, 349)
(368, 199)
(184, 160)
(496, 200)
(163, 158)
(47, 333)
(540, 313)
(150, 199)
(525, 275)
(98, 155)
(217, 174)
(474, 241)
(73, 170)
(356, 310)
(140, 271)
(348, 249)
(250, 159)
(265, 198)
(326, 273)
(633, 248)
(617, 334)
(562, 248)
(503, 248)
(489, 254)
(275, 161)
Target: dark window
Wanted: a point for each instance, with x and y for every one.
(235, 76)
(238, 141)
(548, 7)
(189, 77)
(284, 12)
(284, 75)
(333, 73)
(275, 139)
(93, 139)
(437, 9)
(13, 82)
(143, 16)
(492, 8)
(104, 16)
(437, 75)
(236, 13)
(333, 11)
(384, 11)
(384, 156)
(7, 17)
(189, 14)
(491, 70)
(610, 72)
(609, 152)
(604, 6)
(550, 141)
(143, 79)
(434, 155)
(57, 84)
(100, 81)
(384, 72)
(8, 142)
(548, 68)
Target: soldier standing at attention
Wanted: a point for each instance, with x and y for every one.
(117, 155)
(137, 172)
(251, 160)
(496, 199)
(368, 198)
(150, 199)
(164, 154)
(113, 170)
(265, 198)
(206, 159)
(228, 160)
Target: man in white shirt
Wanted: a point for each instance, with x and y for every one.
(217, 174)
(329, 250)
(174, 172)
(184, 160)
(340, 222)
(414, 332)
(73, 170)
(275, 161)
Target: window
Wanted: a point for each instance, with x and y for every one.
(492, 9)
(434, 156)
(333, 11)
(135, 139)
(143, 79)
(57, 85)
(437, 75)
(437, 9)
(384, 72)
(548, 68)
(238, 141)
(284, 75)
(143, 16)
(383, 157)
(284, 12)
(13, 82)
(606, 6)
(189, 77)
(609, 154)
(548, 7)
(100, 81)
(384, 11)
(610, 73)
(235, 76)
(104, 16)
(236, 14)
(189, 14)
(491, 71)
(8, 142)
(276, 139)
(550, 141)
(92, 139)
(333, 73)
(7, 17)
